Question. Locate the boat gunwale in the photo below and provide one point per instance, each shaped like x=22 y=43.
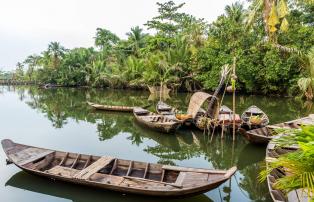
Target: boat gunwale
x=134 y=190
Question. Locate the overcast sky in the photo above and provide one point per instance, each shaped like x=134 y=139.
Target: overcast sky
x=27 y=26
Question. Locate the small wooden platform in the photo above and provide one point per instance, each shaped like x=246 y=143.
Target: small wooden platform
x=62 y=171
x=28 y=155
x=93 y=168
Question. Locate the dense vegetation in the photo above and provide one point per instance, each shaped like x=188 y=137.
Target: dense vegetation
x=271 y=41
x=299 y=164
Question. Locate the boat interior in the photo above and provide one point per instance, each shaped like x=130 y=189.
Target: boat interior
x=70 y=165
x=151 y=117
x=277 y=173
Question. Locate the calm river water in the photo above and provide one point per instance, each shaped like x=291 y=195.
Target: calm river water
x=60 y=119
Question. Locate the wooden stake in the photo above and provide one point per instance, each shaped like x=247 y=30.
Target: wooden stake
x=233 y=98
x=160 y=91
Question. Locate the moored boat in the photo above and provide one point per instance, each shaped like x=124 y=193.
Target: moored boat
x=172 y=113
x=225 y=118
x=254 y=117
x=265 y=134
x=119 y=108
x=114 y=174
x=273 y=151
x=156 y=121
x=165 y=109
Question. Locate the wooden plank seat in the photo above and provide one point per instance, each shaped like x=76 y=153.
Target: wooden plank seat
x=62 y=171
x=29 y=155
x=140 y=111
x=93 y=168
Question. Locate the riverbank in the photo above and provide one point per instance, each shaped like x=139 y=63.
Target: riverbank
x=144 y=88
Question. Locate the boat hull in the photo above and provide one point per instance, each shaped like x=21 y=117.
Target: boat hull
x=171 y=181
x=255 y=138
x=111 y=107
x=159 y=127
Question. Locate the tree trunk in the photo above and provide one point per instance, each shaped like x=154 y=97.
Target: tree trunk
x=266 y=11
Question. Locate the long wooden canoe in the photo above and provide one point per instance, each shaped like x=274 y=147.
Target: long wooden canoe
x=253 y=112
x=265 y=134
x=114 y=174
x=272 y=152
x=111 y=107
x=156 y=121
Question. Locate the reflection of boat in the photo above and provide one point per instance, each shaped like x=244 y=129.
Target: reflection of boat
x=111 y=107
x=156 y=121
x=158 y=89
x=274 y=151
x=76 y=193
x=114 y=174
x=254 y=117
x=265 y=134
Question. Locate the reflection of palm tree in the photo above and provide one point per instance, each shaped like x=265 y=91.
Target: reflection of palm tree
x=135 y=138
x=249 y=183
x=58 y=119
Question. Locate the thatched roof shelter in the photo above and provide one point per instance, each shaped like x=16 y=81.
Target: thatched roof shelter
x=196 y=102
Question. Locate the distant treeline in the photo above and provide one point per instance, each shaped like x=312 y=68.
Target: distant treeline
x=271 y=40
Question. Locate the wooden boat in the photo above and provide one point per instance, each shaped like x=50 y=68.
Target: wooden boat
x=165 y=109
x=254 y=117
x=156 y=121
x=224 y=119
x=273 y=151
x=114 y=174
x=172 y=113
x=111 y=107
x=265 y=134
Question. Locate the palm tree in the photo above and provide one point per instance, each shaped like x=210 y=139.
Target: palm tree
x=19 y=71
x=137 y=39
x=235 y=12
x=32 y=61
x=56 y=52
x=105 y=39
x=274 y=14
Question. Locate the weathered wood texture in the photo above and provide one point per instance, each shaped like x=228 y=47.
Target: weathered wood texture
x=114 y=174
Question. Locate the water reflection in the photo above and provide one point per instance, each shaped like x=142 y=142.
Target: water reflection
x=76 y=193
x=187 y=147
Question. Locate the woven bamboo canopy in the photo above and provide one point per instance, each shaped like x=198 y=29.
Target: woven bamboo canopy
x=196 y=102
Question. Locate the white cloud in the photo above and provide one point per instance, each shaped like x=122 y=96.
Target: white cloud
x=26 y=27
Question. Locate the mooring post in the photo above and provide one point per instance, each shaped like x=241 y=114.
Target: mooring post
x=233 y=81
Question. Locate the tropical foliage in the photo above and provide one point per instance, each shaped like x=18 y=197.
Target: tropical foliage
x=299 y=164
x=186 y=53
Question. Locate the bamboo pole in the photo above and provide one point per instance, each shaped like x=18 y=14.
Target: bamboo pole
x=160 y=91
x=233 y=97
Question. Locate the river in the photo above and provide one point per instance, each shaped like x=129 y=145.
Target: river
x=60 y=119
